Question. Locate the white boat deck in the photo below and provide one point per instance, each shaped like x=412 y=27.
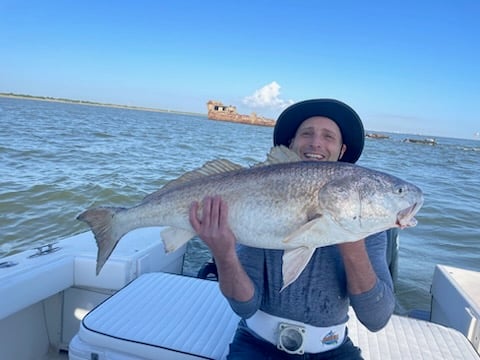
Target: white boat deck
x=165 y=316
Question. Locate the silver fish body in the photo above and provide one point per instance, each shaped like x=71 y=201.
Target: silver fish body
x=294 y=206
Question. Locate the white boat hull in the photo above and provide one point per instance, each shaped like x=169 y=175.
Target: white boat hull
x=43 y=298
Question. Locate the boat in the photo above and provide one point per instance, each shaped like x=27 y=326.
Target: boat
x=53 y=306
x=218 y=111
x=426 y=141
x=376 y=136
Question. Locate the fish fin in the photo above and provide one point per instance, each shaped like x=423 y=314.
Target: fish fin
x=174 y=238
x=294 y=261
x=280 y=154
x=213 y=167
x=101 y=221
x=322 y=230
x=307 y=230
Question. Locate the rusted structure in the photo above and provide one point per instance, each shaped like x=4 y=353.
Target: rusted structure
x=218 y=111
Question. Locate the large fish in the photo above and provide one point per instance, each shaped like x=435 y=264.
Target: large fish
x=283 y=203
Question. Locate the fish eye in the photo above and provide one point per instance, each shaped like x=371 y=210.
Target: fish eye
x=400 y=189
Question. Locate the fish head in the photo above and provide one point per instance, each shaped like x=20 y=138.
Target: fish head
x=366 y=202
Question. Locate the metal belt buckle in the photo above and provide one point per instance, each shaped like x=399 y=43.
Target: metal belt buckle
x=291 y=338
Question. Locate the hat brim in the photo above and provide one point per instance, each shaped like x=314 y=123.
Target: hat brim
x=344 y=116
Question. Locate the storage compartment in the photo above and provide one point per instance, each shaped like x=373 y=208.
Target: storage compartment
x=158 y=316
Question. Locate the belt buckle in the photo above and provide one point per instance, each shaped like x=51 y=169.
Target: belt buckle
x=291 y=338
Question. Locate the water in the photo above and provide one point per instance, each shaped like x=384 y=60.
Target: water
x=58 y=159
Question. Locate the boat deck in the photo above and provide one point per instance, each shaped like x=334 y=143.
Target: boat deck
x=165 y=316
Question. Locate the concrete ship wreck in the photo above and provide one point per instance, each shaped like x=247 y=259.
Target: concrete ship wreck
x=218 y=111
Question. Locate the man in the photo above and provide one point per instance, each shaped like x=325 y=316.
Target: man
x=307 y=319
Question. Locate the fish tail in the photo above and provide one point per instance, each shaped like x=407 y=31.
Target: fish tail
x=103 y=225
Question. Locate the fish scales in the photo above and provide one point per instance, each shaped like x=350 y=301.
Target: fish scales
x=251 y=195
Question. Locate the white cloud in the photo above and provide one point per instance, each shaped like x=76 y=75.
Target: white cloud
x=267 y=97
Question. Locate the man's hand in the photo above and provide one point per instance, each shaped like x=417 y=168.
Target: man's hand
x=212 y=227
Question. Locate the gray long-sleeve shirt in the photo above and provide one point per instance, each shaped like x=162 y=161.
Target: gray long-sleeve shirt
x=319 y=296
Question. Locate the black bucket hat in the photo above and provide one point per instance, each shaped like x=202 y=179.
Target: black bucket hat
x=344 y=116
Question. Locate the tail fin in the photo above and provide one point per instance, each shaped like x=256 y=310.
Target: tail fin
x=102 y=222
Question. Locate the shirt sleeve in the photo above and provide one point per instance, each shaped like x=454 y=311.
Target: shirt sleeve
x=375 y=307
x=252 y=259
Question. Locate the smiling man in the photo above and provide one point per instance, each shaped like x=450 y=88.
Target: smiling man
x=308 y=318
x=318 y=138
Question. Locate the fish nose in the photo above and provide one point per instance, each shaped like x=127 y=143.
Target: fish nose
x=419 y=195
x=419 y=199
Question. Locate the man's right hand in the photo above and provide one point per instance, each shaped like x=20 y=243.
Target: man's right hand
x=212 y=227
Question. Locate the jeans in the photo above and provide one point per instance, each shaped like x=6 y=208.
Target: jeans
x=245 y=346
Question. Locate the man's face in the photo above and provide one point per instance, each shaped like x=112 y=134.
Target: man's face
x=318 y=138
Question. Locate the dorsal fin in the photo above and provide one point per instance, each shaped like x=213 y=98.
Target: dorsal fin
x=280 y=154
x=212 y=167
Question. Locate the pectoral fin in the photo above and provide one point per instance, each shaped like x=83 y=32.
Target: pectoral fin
x=294 y=261
x=310 y=233
x=322 y=230
x=174 y=238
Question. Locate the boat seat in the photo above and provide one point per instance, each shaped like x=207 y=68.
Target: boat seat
x=408 y=338
x=158 y=316
x=166 y=316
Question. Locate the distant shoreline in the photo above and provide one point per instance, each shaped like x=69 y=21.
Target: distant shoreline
x=139 y=108
x=93 y=103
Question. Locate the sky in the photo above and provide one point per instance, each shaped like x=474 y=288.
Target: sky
x=404 y=66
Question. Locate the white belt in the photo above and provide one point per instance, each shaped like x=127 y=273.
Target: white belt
x=295 y=337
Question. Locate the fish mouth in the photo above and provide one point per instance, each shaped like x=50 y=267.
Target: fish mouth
x=405 y=217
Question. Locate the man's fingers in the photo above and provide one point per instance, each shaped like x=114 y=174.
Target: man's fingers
x=213 y=216
x=193 y=216
x=216 y=208
x=206 y=211
x=223 y=213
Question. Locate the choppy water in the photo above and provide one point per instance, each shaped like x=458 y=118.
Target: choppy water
x=58 y=159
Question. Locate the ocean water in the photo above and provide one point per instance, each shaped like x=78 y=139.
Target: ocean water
x=58 y=159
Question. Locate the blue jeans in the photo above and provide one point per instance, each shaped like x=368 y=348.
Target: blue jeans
x=245 y=346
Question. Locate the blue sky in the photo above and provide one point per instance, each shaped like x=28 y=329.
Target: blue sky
x=406 y=66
